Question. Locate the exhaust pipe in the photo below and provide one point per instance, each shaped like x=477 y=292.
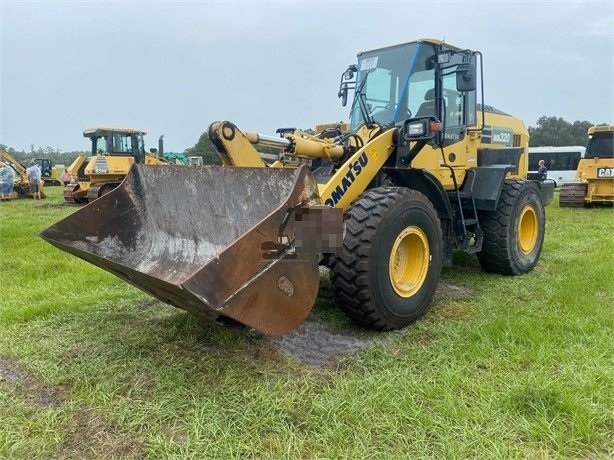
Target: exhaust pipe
x=161 y=146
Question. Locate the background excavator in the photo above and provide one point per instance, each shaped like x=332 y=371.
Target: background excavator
x=595 y=172
x=423 y=169
x=182 y=159
x=21 y=185
x=50 y=173
x=113 y=152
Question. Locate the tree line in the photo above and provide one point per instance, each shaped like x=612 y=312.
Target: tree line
x=55 y=155
x=549 y=131
x=556 y=132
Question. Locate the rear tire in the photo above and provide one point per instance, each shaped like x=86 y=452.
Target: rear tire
x=387 y=273
x=514 y=233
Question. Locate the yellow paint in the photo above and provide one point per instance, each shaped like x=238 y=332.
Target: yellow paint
x=528 y=229
x=376 y=152
x=409 y=261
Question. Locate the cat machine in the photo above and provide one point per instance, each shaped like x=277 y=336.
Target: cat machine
x=595 y=172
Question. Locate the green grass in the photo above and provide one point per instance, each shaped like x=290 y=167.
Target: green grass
x=523 y=367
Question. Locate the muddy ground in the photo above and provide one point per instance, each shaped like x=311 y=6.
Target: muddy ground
x=315 y=343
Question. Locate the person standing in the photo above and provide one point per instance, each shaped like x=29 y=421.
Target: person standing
x=34 y=178
x=66 y=177
x=7 y=177
x=542 y=167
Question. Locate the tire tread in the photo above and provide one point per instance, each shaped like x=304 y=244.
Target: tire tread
x=349 y=274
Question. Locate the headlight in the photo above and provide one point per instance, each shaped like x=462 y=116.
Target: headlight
x=416 y=129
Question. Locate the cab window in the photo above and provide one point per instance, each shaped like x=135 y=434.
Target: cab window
x=460 y=107
x=122 y=143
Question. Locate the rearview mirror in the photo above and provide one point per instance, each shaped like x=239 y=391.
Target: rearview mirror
x=466 y=77
x=343 y=94
x=349 y=73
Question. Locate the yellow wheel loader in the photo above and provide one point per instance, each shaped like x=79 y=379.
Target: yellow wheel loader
x=423 y=169
x=595 y=171
x=113 y=152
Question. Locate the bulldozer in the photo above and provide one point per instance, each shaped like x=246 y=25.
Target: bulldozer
x=595 y=172
x=113 y=152
x=21 y=184
x=422 y=169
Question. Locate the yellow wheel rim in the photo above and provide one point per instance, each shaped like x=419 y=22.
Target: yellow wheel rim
x=409 y=261
x=527 y=229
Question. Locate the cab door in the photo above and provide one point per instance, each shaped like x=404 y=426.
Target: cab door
x=459 y=112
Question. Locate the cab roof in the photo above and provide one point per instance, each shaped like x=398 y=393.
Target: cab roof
x=103 y=131
x=600 y=129
x=433 y=41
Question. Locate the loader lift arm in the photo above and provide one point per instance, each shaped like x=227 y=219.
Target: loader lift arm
x=12 y=162
x=236 y=148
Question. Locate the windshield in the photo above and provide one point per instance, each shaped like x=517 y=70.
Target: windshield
x=99 y=145
x=600 y=145
x=122 y=143
x=397 y=82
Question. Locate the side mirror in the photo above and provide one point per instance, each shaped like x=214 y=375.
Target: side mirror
x=466 y=79
x=343 y=94
x=344 y=87
x=349 y=73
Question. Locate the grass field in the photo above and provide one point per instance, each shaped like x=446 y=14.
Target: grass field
x=515 y=367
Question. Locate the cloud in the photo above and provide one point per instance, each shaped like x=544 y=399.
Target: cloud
x=174 y=67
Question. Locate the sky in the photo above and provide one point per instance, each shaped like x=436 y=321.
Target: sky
x=173 y=67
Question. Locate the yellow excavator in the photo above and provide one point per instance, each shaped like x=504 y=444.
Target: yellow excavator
x=595 y=171
x=113 y=152
x=21 y=185
x=422 y=169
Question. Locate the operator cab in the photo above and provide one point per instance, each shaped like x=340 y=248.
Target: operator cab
x=115 y=142
x=427 y=78
x=120 y=142
x=600 y=142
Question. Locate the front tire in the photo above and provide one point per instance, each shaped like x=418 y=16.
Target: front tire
x=514 y=233
x=387 y=273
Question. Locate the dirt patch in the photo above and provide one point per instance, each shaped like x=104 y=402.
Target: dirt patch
x=8 y=373
x=35 y=393
x=449 y=302
x=450 y=291
x=316 y=343
x=91 y=436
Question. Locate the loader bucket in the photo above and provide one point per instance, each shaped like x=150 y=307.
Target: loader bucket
x=205 y=239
